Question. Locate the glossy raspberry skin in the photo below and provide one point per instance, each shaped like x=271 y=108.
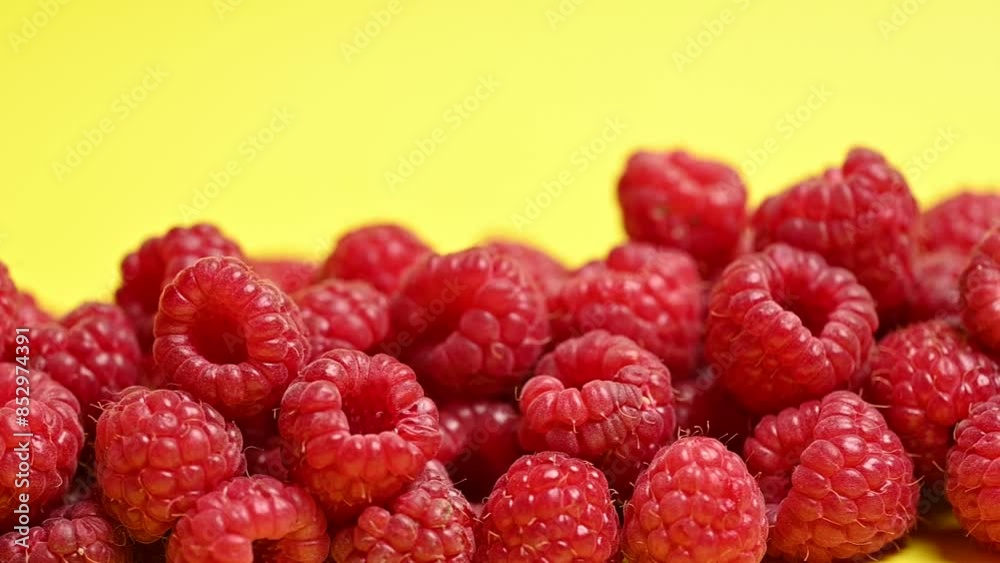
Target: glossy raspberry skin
x=695 y=502
x=861 y=217
x=79 y=533
x=157 y=452
x=146 y=270
x=55 y=444
x=251 y=519
x=925 y=377
x=936 y=293
x=677 y=200
x=784 y=327
x=228 y=337
x=478 y=443
x=289 y=274
x=342 y=314
x=959 y=222
x=972 y=484
x=980 y=290
x=10 y=300
x=470 y=323
x=651 y=296
x=602 y=398
x=703 y=407
x=429 y=521
x=548 y=507
x=378 y=254
x=547 y=272
x=358 y=429
x=836 y=480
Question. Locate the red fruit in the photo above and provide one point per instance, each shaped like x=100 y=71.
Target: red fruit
x=478 y=443
x=650 y=296
x=470 y=323
x=836 y=480
x=10 y=301
x=601 y=398
x=547 y=272
x=784 y=327
x=695 y=502
x=377 y=254
x=861 y=217
x=79 y=533
x=53 y=445
x=548 y=507
x=429 y=521
x=980 y=288
x=676 y=200
x=358 y=429
x=228 y=337
x=157 y=452
x=959 y=222
x=972 y=484
x=925 y=377
x=935 y=293
x=251 y=519
x=342 y=314
x=289 y=274
x=704 y=407
x=262 y=446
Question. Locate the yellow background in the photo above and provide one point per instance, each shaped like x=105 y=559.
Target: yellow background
x=916 y=79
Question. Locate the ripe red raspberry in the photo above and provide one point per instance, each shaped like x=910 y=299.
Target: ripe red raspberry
x=676 y=200
x=251 y=519
x=704 y=407
x=27 y=312
x=157 y=452
x=972 y=486
x=861 y=217
x=10 y=299
x=429 y=521
x=478 y=443
x=358 y=429
x=377 y=254
x=288 y=274
x=472 y=323
x=784 y=327
x=342 y=314
x=925 y=377
x=78 y=533
x=959 y=222
x=53 y=420
x=980 y=289
x=651 y=296
x=835 y=478
x=601 y=398
x=548 y=507
x=936 y=293
x=154 y=264
x=228 y=337
x=547 y=272
x=695 y=502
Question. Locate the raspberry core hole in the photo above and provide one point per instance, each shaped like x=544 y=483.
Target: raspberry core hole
x=219 y=338
x=813 y=315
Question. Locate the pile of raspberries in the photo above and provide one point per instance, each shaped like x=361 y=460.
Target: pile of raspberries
x=802 y=382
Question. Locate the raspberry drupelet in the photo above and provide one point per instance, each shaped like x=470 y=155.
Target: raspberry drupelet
x=342 y=314
x=980 y=290
x=972 y=485
x=378 y=254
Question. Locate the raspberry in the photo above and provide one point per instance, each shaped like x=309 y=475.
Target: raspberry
x=56 y=440
x=251 y=519
x=703 y=406
x=10 y=300
x=343 y=314
x=547 y=272
x=478 y=443
x=652 y=296
x=935 y=293
x=288 y=274
x=676 y=200
x=601 y=398
x=472 y=324
x=925 y=377
x=548 y=507
x=79 y=533
x=959 y=222
x=154 y=264
x=835 y=478
x=229 y=338
x=980 y=290
x=359 y=429
x=262 y=446
x=972 y=485
x=27 y=312
x=696 y=502
x=156 y=453
x=377 y=254
x=784 y=327
x=861 y=217
x=429 y=521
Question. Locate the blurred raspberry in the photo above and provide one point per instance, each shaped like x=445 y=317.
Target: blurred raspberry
x=262 y=446
x=289 y=274
x=972 y=485
x=704 y=407
x=478 y=443
x=79 y=533
x=547 y=272
x=959 y=222
x=10 y=299
x=936 y=294
x=377 y=254
x=980 y=289
x=342 y=314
